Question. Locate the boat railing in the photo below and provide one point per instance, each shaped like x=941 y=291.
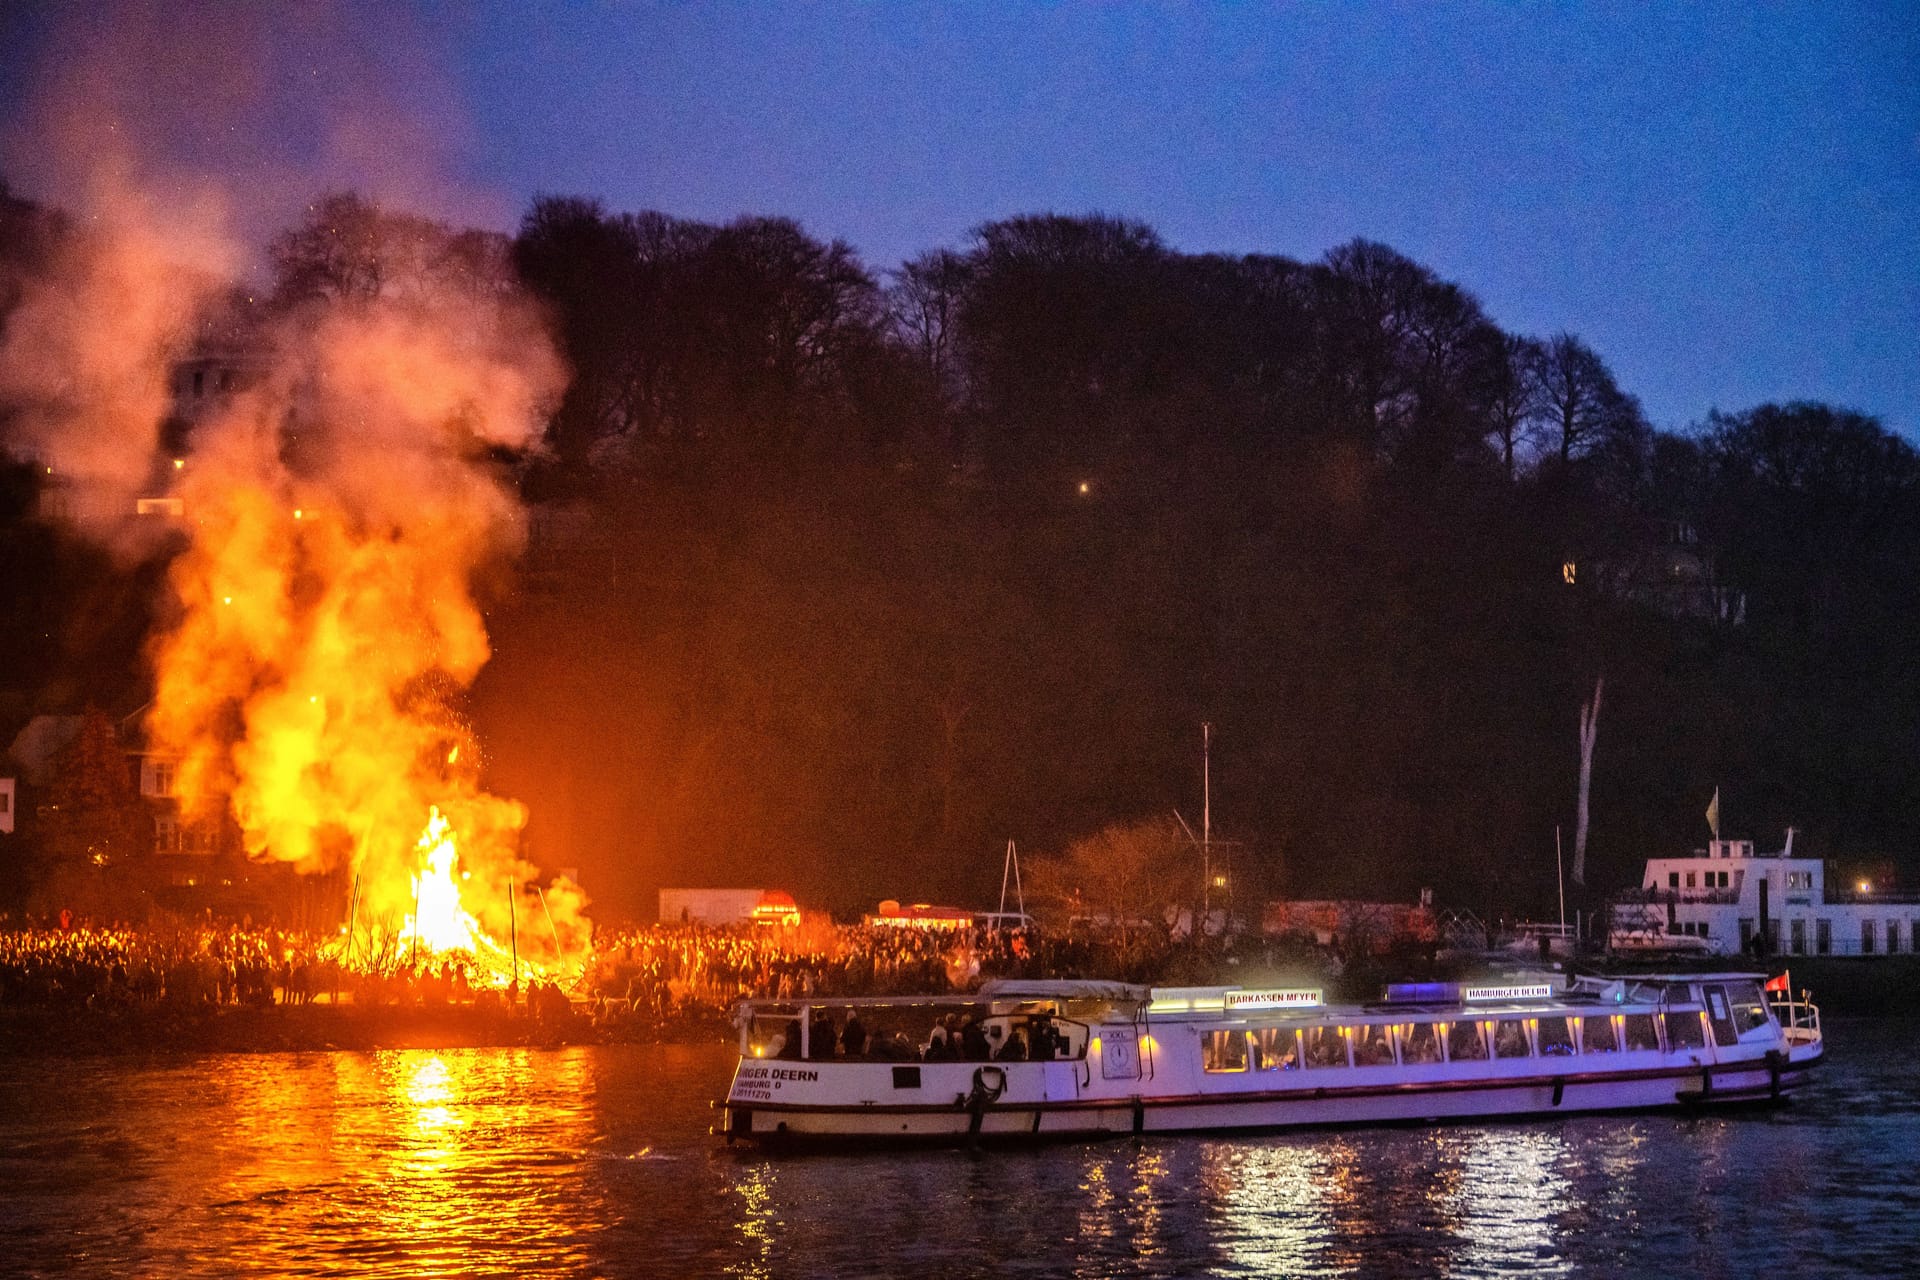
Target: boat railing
x=1074 y=1035
x=1659 y=896
x=1799 y=1019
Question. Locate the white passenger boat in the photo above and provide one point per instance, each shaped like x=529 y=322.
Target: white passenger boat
x=1066 y=1059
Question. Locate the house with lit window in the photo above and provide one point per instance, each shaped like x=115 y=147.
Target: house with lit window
x=1721 y=898
x=228 y=355
x=188 y=845
x=1662 y=566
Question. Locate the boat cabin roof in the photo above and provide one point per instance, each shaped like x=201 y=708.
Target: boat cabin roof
x=1729 y=975
x=1531 y=994
x=1063 y=989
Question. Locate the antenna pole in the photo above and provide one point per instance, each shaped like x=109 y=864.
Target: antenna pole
x=1206 y=823
x=1019 y=890
x=1560 y=873
x=1007 y=866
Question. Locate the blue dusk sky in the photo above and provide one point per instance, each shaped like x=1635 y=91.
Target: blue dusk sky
x=1724 y=200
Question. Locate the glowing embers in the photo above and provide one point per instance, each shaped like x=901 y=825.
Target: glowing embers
x=439 y=922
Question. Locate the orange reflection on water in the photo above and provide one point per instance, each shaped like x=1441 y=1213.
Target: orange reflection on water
x=397 y=1163
x=461 y=1179
x=429 y=1089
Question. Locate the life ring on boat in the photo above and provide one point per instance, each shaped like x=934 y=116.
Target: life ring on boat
x=988 y=1084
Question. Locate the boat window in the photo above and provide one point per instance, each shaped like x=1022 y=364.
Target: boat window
x=1224 y=1051
x=1749 y=1009
x=1684 y=1030
x=1465 y=1043
x=1556 y=1038
x=1596 y=1034
x=1720 y=1015
x=1049 y=1039
x=1638 y=1033
x=1420 y=1043
x=1276 y=1049
x=1373 y=1046
x=774 y=1035
x=1325 y=1047
x=1510 y=1039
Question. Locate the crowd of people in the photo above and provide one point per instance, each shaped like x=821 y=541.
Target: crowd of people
x=666 y=972
x=636 y=981
x=85 y=965
x=81 y=965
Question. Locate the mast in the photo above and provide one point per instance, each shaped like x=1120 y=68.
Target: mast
x=1589 y=726
x=1560 y=873
x=1010 y=867
x=1206 y=823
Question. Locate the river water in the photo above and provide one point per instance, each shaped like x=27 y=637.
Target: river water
x=596 y=1161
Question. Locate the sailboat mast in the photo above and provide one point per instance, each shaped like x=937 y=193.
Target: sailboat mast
x=1206 y=823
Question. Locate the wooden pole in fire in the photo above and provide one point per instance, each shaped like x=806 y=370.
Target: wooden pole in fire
x=353 y=912
x=513 y=935
x=555 y=932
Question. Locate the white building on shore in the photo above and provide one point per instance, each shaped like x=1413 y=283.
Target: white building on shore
x=1721 y=897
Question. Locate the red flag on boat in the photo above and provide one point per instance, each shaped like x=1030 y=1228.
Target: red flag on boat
x=1777 y=984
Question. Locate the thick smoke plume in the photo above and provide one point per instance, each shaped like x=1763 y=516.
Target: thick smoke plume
x=339 y=504
x=340 y=508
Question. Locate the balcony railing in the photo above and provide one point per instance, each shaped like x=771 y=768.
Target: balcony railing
x=1713 y=897
x=1840 y=947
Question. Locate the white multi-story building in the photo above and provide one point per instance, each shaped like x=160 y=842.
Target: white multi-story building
x=1720 y=897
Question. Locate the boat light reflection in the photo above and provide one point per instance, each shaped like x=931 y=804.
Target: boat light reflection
x=1507 y=1202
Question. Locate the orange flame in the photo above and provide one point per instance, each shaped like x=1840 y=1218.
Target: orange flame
x=439 y=922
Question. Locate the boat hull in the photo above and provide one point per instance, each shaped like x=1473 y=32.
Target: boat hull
x=1026 y=1114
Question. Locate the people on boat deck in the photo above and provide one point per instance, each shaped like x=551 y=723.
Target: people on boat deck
x=1510 y=1041
x=936 y=1047
x=1046 y=1043
x=973 y=1041
x=853 y=1038
x=953 y=1037
x=825 y=1035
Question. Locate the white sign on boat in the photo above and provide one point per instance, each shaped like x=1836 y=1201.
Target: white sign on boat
x=1274 y=999
x=1537 y=991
